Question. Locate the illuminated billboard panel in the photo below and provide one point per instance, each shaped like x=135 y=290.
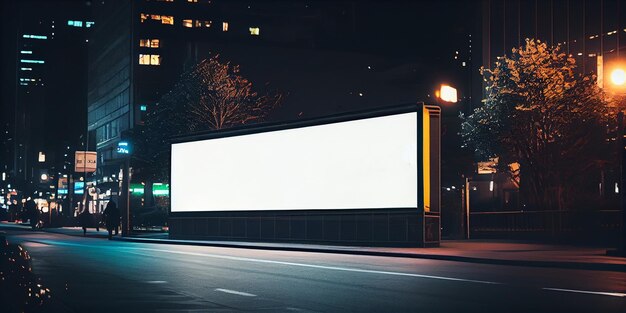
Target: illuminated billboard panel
x=79 y=188
x=361 y=164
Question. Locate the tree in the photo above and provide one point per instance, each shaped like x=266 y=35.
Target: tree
x=540 y=113
x=211 y=96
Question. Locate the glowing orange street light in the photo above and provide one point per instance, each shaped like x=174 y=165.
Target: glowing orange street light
x=618 y=77
x=447 y=93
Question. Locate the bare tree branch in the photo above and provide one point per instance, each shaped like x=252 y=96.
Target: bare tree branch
x=210 y=96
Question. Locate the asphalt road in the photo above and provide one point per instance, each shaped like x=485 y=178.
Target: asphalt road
x=97 y=275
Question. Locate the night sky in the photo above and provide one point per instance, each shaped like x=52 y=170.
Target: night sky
x=397 y=52
x=420 y=34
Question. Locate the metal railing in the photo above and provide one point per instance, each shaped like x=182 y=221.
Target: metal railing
x=506 y=224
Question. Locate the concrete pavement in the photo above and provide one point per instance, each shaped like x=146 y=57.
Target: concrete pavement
x=472 y=251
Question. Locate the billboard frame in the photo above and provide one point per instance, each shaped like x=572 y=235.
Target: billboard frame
x=421 y=214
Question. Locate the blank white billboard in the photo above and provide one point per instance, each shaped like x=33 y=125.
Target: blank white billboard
x=361 y=164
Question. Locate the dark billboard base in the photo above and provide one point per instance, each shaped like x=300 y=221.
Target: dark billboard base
x=398 y=229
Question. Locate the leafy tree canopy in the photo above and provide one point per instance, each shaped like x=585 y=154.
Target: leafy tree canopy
x=541 y=113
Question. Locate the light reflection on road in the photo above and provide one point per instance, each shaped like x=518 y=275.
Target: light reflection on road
x=20 y=289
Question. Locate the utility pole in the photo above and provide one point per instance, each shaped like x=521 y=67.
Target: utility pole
x=621 y=250
x=125 y=198
x=124 y=149
x=618 y=82
x=465 y=210
x=623 y=180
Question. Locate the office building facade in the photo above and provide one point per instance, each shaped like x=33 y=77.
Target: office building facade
x=47 y=114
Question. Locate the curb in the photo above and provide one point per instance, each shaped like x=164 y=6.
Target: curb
x=454 y=258
x=53 y=231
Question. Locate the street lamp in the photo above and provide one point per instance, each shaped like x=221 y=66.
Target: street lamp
x=618 y=77
x=618 y=82
x=447 y=93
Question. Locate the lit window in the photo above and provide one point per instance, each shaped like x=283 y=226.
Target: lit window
x=26 y=68
x=149 y=43
x=76 y=23
x=89 y=24
x=149 y=59
x=155 y=59
x=32 y=61
x=144 y=59
x=35 y=36
x=143 y=108
x=254 y=31
x=187 y=23
x=194 y=1
x=167 y=19
x=206 y=23
x=26 y=52
x=224 y=26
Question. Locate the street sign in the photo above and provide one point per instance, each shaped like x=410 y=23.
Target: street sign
x=62 y=186
x=123 y=147
x=79 y=188
x=85 y=161
x=488 y=167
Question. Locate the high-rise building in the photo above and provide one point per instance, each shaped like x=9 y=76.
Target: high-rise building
x=592 y=32
x=49 y=98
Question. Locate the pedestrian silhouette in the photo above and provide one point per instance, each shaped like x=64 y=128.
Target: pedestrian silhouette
x=86 y=219
x=112 y=218
x=33 y=213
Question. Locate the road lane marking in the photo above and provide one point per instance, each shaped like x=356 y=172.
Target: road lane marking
x=602 y=293
x=53 y=242
x=235 y=292
x=335 y=268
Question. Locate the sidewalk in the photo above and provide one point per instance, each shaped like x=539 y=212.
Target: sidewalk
x=498 y=252
x=473 y=251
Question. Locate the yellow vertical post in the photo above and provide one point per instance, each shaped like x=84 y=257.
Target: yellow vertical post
x=426 y=157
